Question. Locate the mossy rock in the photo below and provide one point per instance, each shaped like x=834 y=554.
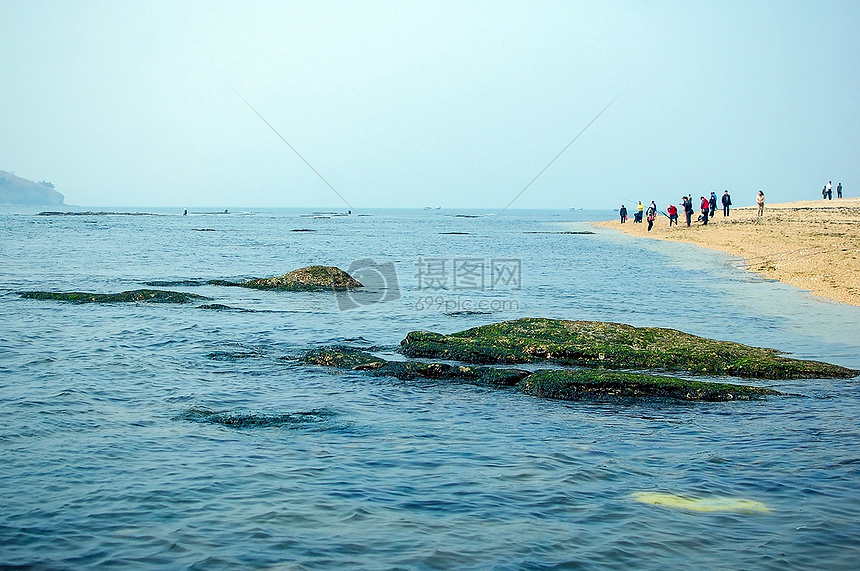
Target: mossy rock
x=602 y=384
x=342 y=358
x=611 y=345
x=138 y=295
x=311 y=278
x=584 y=384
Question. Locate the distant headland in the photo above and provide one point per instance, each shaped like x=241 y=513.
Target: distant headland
x=20 y=191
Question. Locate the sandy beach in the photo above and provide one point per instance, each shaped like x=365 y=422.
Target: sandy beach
x=813 y=245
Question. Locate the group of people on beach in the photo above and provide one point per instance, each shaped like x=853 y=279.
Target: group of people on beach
x=707 y=207
x=827 y=191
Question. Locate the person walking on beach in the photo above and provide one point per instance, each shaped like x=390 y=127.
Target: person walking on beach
x=839 y=190
x=830 y=190
x=673 y=214
x=727 y=201
x=687 y=203
x=712 y=202
x=706 y=207
x=623 y=213
x=760 y=201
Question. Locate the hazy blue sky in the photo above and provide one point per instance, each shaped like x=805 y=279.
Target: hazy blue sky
x=452 y=104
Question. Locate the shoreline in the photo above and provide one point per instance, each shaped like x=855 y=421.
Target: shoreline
x=813 y=245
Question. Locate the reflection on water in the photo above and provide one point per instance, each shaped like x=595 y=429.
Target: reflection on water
x=339 y=469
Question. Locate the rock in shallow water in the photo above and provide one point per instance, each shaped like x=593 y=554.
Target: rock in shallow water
x=252 y=420
x=559 y=384
x=311 y=278
x=138 y=295
x=357 y=360
x=612 y=345
x=706 y=504
x=601 y=384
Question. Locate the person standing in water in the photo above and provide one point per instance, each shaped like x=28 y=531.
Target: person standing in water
x=760 y=201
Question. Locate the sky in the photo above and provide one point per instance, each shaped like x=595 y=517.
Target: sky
x=456 y=104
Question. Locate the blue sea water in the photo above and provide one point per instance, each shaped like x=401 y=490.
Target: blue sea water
x=107 y=459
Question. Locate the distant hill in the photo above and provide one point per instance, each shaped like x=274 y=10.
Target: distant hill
x=17 y=190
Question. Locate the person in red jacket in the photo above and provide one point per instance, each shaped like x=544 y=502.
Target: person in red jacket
x=705 y=206
x=673 y=214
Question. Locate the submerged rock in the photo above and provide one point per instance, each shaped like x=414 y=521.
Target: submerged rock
x=222 y=307
x=235 y=355
x=357 y=360
x=251 y=420
x=138 y=295
x=706 y=504
x=565 y=384
x=311 y=278
x=612 y=345
x=175 y=283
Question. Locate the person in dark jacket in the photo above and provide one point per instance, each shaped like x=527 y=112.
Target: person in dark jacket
x=687 y=202
x=623 y=213
x=727 y=201
x=712 y=203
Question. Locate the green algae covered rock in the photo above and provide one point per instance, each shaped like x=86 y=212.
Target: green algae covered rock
x=138 y=295
x=564 y=384
x=601 y=384
x=311 y=278
x=611 y=345
x=342 y=358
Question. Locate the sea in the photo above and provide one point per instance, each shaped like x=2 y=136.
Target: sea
x=112 y=455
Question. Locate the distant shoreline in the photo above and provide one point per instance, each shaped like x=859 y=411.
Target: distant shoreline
x=813 y=245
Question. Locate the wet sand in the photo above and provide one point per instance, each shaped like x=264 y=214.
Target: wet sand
x=813 y=245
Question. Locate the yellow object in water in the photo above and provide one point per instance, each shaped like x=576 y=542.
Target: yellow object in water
x=709 y=504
